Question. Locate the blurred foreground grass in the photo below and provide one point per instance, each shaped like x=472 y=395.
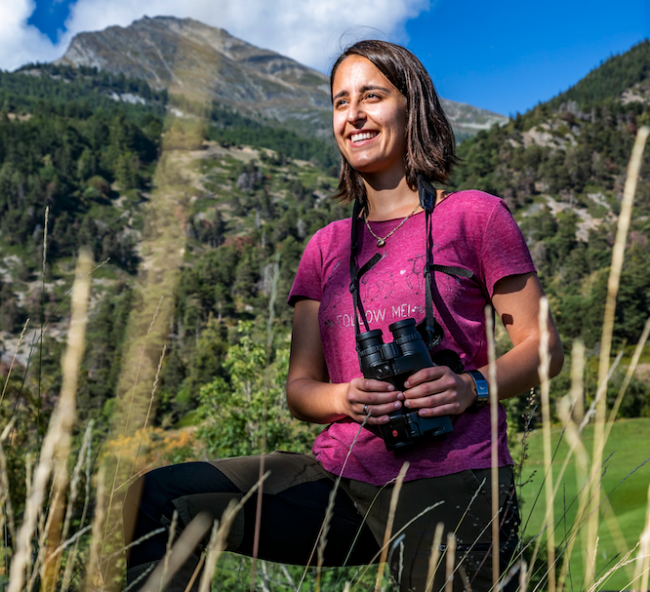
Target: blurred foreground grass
x=628 y=447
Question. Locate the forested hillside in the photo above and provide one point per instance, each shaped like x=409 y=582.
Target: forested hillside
x=86 y=145
x=561 y=167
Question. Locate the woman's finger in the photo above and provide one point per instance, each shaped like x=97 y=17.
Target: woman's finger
x=427 y=375
x=372 y=398
x=371 y=385
x=453 y=393
x=427 y=402
x=433 y=387
x=378 y=414
x=448 y=409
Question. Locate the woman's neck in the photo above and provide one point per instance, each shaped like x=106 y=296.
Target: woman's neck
x=389 y=198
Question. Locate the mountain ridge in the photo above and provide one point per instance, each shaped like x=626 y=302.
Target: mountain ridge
x=202 y=62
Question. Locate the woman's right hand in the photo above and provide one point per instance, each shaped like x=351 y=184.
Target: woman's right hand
x=373 y=399
x=310 y=394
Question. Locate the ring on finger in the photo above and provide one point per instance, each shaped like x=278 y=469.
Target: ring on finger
x=365 y=409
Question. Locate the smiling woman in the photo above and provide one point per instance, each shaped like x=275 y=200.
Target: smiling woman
x=414 y=409
x=398 y=79
x=369 y=118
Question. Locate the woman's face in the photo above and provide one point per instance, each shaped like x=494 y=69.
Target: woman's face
x=369 y=118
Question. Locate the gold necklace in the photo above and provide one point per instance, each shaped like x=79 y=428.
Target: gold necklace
x=381 y=241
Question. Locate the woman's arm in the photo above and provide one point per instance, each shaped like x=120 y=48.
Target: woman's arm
x=438 y=391
x=310 y=395
x=516 y=300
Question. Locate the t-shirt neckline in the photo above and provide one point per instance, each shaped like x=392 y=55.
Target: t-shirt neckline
x=393 y=220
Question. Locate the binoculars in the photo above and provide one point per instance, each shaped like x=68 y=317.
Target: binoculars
x=394 y=362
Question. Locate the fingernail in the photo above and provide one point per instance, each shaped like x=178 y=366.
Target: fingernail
x=400 y=396
x=407 y=403
x=407 y=384
x=391 y=387
x=397 y=405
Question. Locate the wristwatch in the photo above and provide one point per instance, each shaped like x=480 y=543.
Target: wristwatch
x=481 y=387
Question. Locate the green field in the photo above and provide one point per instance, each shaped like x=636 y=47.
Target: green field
x=624 y=482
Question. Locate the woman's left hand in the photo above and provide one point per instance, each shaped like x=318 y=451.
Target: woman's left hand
x=438 y=391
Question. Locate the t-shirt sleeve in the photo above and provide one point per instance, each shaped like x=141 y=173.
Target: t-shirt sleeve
x=307 y=283
x=503 y=250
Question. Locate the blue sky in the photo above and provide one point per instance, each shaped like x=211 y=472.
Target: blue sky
x=49 y=17
x=507 y=56
x=504 y=56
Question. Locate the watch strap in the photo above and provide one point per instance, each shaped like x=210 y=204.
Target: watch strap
x=482 y=388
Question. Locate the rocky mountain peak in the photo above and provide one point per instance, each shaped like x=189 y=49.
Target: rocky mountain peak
x=203 y=63
x=207 y=63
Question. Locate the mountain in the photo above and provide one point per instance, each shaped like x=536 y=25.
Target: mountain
x=562 y=167
x=575 y=144
x=468 y=120
x=207 y=63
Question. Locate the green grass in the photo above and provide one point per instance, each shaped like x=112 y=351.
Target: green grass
x=628 y=446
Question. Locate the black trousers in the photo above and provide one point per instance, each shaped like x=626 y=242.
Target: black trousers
x=294 y=502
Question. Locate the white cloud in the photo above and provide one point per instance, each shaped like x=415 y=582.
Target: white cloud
x=310 y=31
x=20 y=43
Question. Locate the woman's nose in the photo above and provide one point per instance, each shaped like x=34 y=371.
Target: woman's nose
x=355 y=113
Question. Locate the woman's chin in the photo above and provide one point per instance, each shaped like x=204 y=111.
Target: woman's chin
x=372 y=167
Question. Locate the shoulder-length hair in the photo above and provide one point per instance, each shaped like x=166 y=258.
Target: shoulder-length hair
x=430 y=144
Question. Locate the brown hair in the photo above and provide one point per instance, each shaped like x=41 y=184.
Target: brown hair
x=430 y=145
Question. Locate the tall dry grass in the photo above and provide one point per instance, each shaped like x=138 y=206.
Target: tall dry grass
x=48 y=551
x=55 y=450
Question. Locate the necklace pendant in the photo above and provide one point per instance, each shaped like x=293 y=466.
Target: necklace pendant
x=381 y=242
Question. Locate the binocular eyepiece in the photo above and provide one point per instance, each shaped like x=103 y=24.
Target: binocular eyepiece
x=394 y=362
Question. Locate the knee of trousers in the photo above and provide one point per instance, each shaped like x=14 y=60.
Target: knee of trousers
x=146 y=496
x=214 y=504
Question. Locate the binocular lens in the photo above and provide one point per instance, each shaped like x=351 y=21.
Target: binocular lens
x=370 y=338
x=402 y=327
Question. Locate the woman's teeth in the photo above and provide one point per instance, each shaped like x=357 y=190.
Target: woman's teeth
x=363 y=136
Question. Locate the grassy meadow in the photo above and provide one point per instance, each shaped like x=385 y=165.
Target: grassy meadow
x=625 y=481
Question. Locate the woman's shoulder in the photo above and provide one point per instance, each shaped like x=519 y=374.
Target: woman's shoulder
x=334 y=231
x=473 y=213
x=473 y=197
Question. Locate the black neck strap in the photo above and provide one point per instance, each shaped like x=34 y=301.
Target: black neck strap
x=356 y=273
x=431 y=330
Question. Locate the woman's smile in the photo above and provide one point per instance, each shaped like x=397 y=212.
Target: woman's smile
x=369 y=118
x=358 y=137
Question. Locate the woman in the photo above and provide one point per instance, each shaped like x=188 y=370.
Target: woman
x=393 y=137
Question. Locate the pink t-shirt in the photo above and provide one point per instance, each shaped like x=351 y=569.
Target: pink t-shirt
x=472 y=230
